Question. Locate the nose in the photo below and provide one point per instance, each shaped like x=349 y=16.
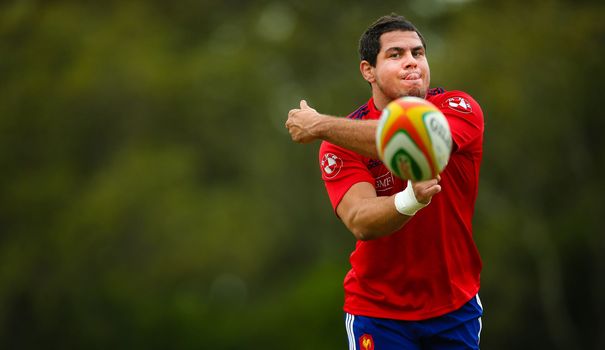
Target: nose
x=409 y=61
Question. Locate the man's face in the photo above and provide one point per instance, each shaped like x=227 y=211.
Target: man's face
x=401 y=68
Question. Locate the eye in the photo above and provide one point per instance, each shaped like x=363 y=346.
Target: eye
x=418 y=53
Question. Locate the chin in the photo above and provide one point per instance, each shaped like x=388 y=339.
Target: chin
x=416 y=92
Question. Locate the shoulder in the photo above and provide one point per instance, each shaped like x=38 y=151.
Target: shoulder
x=360 y=112
x=464 y=116
x=455 y=101
x=327 y=147
x=331 y=153
x=366 y=111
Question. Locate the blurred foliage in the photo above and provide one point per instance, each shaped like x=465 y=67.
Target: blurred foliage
x=150 y=196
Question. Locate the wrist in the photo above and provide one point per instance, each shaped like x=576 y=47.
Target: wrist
x=406 y=203
x=319 y=127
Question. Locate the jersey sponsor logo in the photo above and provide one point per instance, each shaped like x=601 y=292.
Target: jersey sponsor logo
x=384 y=182
x=331 y=165
x=374 y=163
x=366 y=342
x=459 y=104
x=360 y=112
x=435 y=91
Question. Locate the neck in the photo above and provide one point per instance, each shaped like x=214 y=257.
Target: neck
x=380 y=100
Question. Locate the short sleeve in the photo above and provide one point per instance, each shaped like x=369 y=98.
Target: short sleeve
x=465 y=118
x=341 y=169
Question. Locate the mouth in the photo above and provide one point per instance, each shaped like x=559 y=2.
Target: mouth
x=411 y=76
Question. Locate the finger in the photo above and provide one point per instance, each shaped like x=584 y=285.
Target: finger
x=425 y=183
x=433 y=190
x=426 y=189
x=303 y=104
x=436 y=189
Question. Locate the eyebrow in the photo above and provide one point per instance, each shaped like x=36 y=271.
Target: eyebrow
x=397 y=48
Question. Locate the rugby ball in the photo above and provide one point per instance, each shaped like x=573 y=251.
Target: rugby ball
x=413 y=139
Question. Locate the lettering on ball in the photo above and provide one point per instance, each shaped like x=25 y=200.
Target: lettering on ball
x=440 y=130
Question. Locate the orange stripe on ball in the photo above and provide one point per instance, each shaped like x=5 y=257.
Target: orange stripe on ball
x=406 y=121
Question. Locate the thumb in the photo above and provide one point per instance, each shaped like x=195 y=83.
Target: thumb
x=303 y=104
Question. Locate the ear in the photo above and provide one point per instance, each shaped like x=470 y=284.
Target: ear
x=367 y=71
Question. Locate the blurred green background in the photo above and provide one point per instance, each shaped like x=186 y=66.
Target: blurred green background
x=151 y=198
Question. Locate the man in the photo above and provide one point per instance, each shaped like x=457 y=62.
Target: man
x=415 y=270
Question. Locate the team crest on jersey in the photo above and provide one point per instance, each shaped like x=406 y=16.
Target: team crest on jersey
x=459 y=104
x=331 y=165
x=366 y=342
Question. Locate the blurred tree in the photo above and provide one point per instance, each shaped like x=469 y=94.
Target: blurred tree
x=150 y=196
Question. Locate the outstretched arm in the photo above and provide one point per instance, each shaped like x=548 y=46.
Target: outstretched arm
x=368 y=216
x=305 y=125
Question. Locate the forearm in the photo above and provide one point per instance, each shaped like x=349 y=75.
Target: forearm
x=375 y=217
x=369 y=217
x=356 y=135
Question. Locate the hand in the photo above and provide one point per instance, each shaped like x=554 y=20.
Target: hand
x=425 y=190
x=301 y=122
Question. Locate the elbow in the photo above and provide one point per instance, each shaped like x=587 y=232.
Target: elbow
x=363 y=233
x=360 y=232
x=364 y=225
x=361 y=228
x=365 y=237
x=367 y=231
x=358 y=225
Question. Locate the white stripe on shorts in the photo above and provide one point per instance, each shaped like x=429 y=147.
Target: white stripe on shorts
x=349 y=325
x=480 y=322
x=479 y=301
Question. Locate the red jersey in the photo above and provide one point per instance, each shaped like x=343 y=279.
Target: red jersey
x=431 y=265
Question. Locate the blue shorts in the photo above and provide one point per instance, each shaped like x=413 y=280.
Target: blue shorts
x=459 y=329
